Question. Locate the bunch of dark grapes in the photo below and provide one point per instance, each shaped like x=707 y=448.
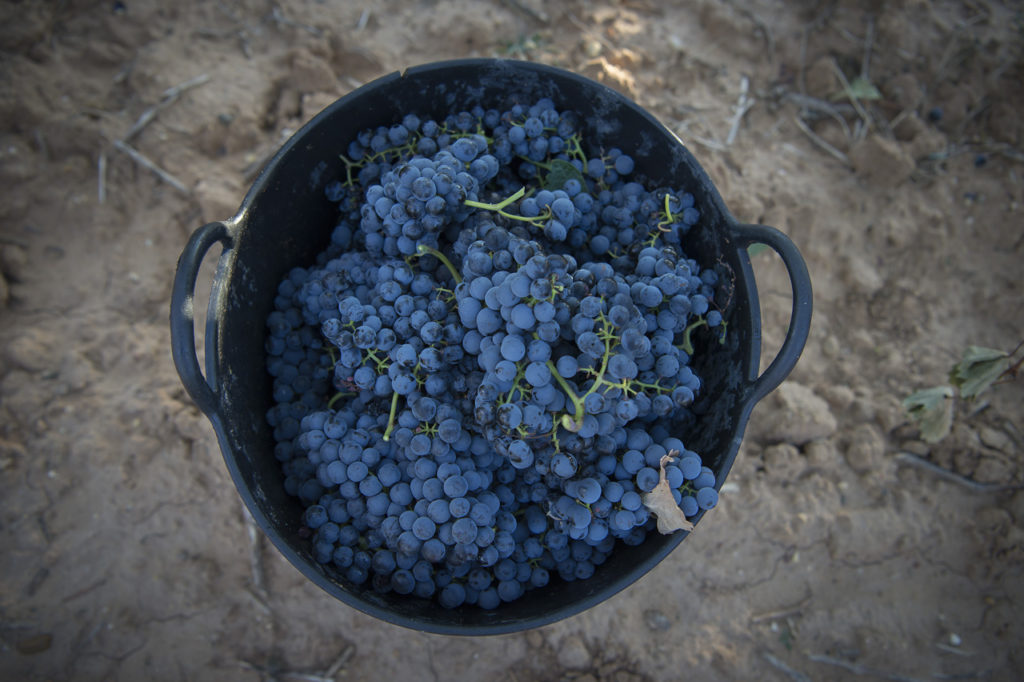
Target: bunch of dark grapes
x=475 y=383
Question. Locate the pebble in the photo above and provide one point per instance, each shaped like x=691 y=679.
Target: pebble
x=797 y=416
x=783 y=462
x=881 y=161
x=822 y=454
x=995 y=470
x=13 y=261
x=865 y=449
x=35 y=644
x=573 y=653
x=656 y=620
x=996 y=439
x=915 y=447
x=831 y=347
x=864 y=276
x=838 y=396
x=32 y=350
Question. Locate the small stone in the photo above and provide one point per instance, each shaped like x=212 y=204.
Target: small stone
x=218 y=198
x=820 y=78
x=838 y=396
x=881 y=161
x=535 y=639
x=36 y=644
x=822 y=454
x=13 y=262
x=831 y=347
x=314 y=102
x=904 y=89
x=783 y=462
x=32 y=350
x=864 y=276
x=600 y=69
x=1016 y=507
x=591 y=47
x=573 y=653
x=915 y=447
x=626 y=58
x=865 y=449
x=1004 y=123
x=994 y=469
x=965 y=461
x=656 y=621
x=310 y=73
x=796 y=415
x=996 y=439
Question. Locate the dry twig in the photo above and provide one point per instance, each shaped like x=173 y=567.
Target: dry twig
x=820 y=142
x=535 y=14
x=869 y=39
x=101 y=172
x=364 y=19
x=848 y=89
x=795 y=674
x=140 y=159
x=784 y=612
x=857 y=669
x=806 y=102
x=278 y=17
x=590 y=32
x=339 y=663
x=169 y=97
x=743 y=105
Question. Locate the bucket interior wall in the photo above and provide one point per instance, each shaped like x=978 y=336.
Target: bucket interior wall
x=286 y=221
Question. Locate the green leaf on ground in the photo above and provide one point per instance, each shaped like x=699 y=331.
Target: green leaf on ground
x=932 y=409
x=978 y=369
x=860 y=88
x=561 y=171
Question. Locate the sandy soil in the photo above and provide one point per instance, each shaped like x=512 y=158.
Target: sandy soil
x=125 y=551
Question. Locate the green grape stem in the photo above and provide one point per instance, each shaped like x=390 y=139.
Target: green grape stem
x=391 y=416
x=574 y=149
x=500 y=206
x=338 y=396
x=663 y=225
x=575 y=422
x=381 y=363
x=687 y=345
x=423 y=249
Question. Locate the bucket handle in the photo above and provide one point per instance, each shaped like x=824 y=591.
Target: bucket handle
x=183 y=344
x=800 y=317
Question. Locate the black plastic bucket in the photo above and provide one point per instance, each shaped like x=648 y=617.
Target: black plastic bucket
x=285 y=221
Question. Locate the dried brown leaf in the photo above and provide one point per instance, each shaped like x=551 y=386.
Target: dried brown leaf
x=661 y=503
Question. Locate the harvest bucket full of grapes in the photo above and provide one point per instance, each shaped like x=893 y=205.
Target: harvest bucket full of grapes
x=481 y=346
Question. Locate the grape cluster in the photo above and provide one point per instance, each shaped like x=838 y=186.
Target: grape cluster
x=475 y=383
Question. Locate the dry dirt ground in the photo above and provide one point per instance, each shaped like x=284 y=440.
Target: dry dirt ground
x=833 y=555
